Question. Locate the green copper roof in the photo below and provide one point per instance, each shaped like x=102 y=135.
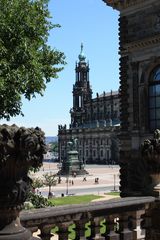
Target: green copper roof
x=81 y=56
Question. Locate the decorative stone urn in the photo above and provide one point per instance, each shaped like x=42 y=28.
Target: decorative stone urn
x=20 y=150
x=150 y=150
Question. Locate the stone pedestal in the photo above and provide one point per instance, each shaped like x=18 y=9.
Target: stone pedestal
x=15 y=231
x=11 y=228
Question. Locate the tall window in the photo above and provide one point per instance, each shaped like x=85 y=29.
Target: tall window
x=87 y=153
x=101 y=153
x=154 y=99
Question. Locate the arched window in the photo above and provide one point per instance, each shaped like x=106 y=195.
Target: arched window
x=154 y=99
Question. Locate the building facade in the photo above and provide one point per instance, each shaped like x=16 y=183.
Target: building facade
x=139 y=35
x=94 y=121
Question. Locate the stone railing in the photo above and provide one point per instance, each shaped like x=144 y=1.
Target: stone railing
x=118 y=219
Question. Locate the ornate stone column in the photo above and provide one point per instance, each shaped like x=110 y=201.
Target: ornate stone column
x=111 y=228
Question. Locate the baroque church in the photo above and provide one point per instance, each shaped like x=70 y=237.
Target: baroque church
x=94 y=121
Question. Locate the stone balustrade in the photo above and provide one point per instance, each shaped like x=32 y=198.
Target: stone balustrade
x=117 y=219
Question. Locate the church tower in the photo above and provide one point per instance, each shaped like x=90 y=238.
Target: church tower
x=82 y=92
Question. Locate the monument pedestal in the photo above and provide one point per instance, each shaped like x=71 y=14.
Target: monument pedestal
x=72 y=166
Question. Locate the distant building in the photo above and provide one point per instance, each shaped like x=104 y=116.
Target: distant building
x=94 y=121
x=48 y=157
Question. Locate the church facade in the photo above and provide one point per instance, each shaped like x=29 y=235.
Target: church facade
x=94 y=121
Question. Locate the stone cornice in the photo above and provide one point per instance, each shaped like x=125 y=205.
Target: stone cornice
x=142 y=43
x=122 y=4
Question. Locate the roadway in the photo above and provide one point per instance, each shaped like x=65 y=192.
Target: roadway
x=80 y=191
x=108 y=180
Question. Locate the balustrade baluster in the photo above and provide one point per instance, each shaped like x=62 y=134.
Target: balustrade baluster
x=122 y=220
x=138 y=232
x=125 y=233
x=33 y=230
x=46 y=232
x=63 y=231
x=95 y=229
x=80 y=229
x=148 y=225
x=111 y=228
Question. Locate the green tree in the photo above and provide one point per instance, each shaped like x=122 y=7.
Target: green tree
x=54 y=147
x=27 y=62
x=37 y=183
x=37 y=201
x=49 y=180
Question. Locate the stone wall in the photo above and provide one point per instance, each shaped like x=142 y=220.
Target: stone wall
x=139 y=46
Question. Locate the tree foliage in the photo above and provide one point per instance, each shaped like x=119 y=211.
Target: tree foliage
x=27 y=62
x=37 y=182
x=54 y=147
x=49 y=180
x=38 y=201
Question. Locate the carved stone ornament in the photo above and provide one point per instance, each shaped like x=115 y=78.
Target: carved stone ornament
x=20 y=149
x=122 y=4
x=157 y=23
x=144 y=169
x=150 y=151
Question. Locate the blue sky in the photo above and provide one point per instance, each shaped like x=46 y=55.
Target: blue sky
x=94 y=24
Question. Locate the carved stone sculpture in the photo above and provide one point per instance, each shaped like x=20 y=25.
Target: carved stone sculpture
x=20 y=150
x=144 y=171
x=151 y=154
x=72 y=145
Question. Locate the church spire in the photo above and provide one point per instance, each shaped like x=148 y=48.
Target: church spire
x=81 y=56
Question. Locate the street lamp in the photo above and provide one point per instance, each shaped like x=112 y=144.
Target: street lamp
x=114 y=183
x=67 y=185
x=68 y=163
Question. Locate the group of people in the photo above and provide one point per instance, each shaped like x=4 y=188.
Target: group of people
x=71 y=182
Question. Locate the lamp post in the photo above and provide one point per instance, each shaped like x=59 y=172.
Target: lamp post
x=114 y=189
x=67 y=185
x=68 y=163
